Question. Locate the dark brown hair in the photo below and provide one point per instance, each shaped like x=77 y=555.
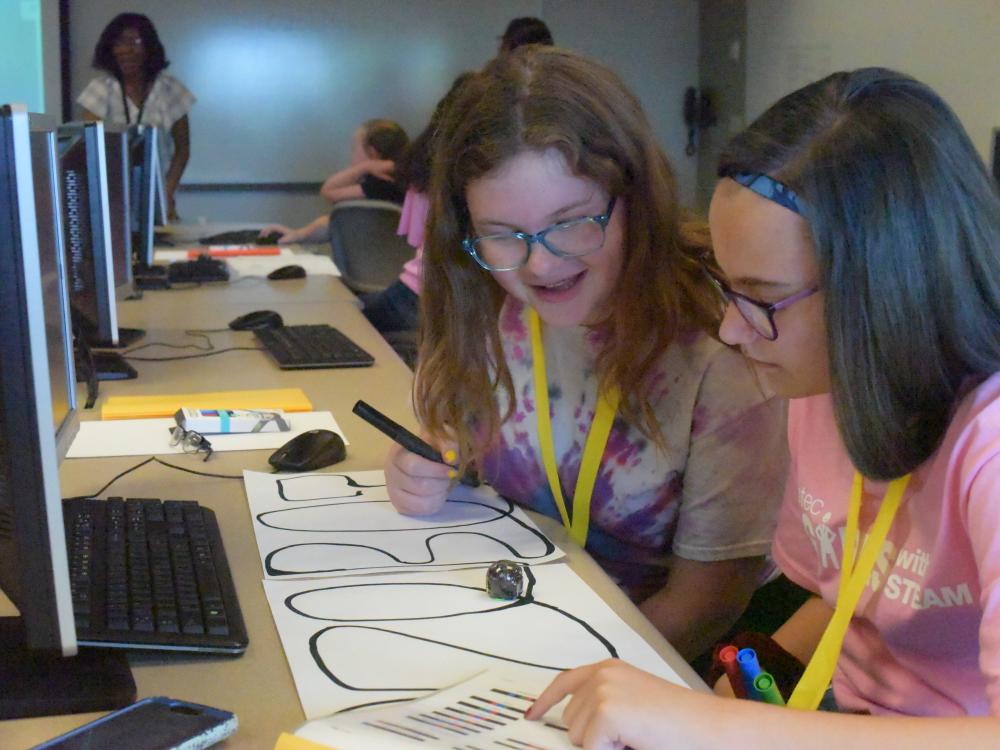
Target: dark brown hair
x=905 y=221
x=156 y=57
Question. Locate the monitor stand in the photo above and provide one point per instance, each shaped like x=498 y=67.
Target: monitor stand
x=128 y=336
x=112 y=366
x=38 y=683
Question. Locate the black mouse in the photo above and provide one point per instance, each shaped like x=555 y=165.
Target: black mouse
x=310 y=450
x=268 y=239
x=287 y=272
x=256 y=319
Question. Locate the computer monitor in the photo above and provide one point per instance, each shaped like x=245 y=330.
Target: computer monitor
x=160 y=214
x=117 y=159
x=87 y=228
x=116 y=156
x=87 y=225
x=37 y=421
x=33 y=566
x=996 y=156
x=142 y=190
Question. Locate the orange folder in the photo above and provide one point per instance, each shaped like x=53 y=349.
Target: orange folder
x=165 y=405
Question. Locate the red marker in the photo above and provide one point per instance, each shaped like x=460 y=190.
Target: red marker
x=727 y=658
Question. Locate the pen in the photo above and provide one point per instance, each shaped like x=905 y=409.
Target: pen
x=404 y=437
x=727 y=658
x=749 y=668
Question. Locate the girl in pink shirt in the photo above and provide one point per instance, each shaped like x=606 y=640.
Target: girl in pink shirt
x=857 y=236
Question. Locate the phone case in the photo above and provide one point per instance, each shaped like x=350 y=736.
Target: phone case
x=156 y=723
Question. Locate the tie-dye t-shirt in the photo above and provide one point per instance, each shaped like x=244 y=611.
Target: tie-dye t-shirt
x=712 y=495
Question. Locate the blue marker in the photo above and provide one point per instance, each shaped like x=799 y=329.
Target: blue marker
x=749 y=669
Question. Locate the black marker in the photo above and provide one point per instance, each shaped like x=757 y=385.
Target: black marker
x=405 y=438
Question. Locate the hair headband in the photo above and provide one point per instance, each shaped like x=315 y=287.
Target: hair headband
x=770 y=188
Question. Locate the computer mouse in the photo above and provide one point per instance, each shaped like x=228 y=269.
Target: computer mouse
x=287 y=272
x=256 y=319
x=313 y=449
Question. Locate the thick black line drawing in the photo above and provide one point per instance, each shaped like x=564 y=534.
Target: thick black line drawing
x=333 y=648
x=288 y=487
x=313 y=536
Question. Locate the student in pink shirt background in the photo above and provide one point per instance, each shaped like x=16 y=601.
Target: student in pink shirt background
x=857 y=236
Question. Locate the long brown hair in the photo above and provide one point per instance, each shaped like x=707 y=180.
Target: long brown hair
x=538 y=98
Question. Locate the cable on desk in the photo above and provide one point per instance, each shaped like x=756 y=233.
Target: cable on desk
x=203 y=333
x=196 y=356
x=154 y=459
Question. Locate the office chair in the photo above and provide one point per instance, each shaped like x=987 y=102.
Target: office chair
x=366 y=248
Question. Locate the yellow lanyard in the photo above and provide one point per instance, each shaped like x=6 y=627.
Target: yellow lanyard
x=853 y=581
x=593 y=451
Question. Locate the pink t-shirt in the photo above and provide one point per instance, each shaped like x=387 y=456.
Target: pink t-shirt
x=925 y=639
x=412 y=224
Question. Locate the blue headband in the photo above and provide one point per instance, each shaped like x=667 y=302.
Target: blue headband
x=769 y=188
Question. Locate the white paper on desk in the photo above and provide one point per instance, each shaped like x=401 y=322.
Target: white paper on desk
x=315 y=264
x=261 y=265
x=487 y=709
x=336 y=524
x=145 y=437
x=368 y=639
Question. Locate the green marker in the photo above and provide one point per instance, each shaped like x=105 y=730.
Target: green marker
x=766 y=689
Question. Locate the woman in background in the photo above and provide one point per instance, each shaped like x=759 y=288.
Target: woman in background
x=133 y=89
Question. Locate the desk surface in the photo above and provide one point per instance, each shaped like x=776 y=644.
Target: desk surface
x=258 y=686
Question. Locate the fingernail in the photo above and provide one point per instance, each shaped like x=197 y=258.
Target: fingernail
x=452 y=473
x=527 y=712
x=450 y=455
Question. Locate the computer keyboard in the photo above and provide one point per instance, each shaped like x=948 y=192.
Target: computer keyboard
x=241 y=237
x=312 y=346
x=151 y=574
x=202 y=268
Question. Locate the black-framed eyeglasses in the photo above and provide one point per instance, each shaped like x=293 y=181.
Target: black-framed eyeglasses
x=191 y=441
x=567 y=239
x=758 y=315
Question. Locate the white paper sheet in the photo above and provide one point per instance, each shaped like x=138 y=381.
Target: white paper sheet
x=315 y=264
x=146 y=437
x=485 y=711
x=367 y=640
x=335 y=524
x=261 y=265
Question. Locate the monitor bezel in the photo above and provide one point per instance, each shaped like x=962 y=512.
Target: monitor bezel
x=47 y=126
x=31 y=461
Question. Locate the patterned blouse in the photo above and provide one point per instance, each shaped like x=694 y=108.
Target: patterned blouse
x=167 y=101
x=712 y=495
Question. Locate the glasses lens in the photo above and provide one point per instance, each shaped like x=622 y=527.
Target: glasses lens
x=576 y=237
x=501 y=252
x=177 y=435
x=757 y=317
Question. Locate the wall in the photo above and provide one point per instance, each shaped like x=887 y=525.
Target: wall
x=281 y=88
x=722 y=75
x=952 y=46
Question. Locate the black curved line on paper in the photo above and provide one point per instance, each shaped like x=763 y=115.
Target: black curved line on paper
x=349 y=480
x=273 y=569
x=528 y=598
x=501 y=513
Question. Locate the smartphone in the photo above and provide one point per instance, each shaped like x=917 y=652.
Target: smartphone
x=156 y=723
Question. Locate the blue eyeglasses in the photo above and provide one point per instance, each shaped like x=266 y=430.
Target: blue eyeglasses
x=567 y=239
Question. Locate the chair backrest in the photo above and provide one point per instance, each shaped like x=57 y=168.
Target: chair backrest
x=366 y=248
